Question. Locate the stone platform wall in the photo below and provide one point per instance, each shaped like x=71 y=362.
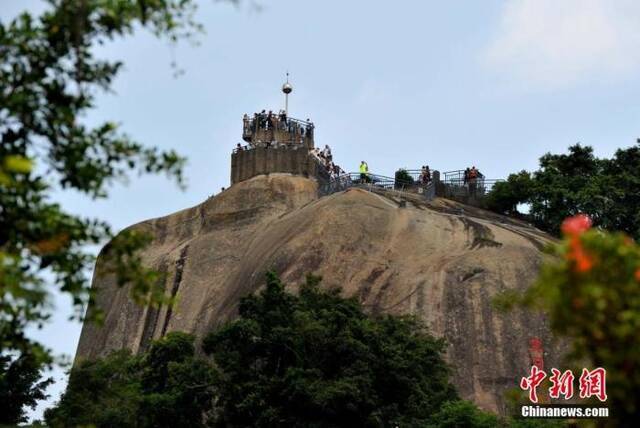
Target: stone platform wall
x=296 y=160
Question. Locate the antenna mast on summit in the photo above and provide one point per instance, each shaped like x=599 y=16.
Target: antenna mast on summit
x=287 y=89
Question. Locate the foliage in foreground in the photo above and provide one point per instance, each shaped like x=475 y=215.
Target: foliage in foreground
x=49 y=79
x=578 y=182
x=308 y=360
x=591 y=292
x=21 y=386
x=167 y=386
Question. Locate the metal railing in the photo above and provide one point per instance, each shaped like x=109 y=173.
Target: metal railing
x=277 y=118
x=480 y=183
x=425 y=185
x=269 y=145
x=263 y=123
x=456 y=184
x=375 y=182
x=416 y=175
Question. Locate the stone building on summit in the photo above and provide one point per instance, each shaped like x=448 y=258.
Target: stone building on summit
x=276 y=143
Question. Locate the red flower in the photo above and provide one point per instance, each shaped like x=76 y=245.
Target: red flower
x=583 y=262
x=576 y=225
x=637 y=275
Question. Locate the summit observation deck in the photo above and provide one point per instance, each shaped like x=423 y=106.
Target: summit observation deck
x=277 y=128
x=276 y=143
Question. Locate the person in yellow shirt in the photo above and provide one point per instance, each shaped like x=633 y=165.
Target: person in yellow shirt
x=364 y=172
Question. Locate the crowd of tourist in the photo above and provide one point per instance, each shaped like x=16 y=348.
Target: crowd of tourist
x=259 y=132
x=265 y=145
x=270 y=121
x=471 y=175
x=471 y=178
x=325 y=157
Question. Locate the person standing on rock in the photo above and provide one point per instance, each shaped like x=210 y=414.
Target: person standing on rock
x=424 y=175
x=364 y=172
x=309 y=128
x=283 y=120
x=473 y=180
x=327 y=153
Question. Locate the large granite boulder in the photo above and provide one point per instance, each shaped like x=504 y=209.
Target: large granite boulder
x=441 y=260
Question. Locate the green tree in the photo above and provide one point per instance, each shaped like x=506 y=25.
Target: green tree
x=403 y=178
x=505 y=196
x=167 y=386
x=578 y=182
x=616 y=207
x=177 y=387
x=21 y=386
x=316 y=359
x=562 y=186
x=104 y=392
x=456 y=414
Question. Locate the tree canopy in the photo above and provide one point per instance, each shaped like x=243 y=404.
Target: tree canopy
x=167 y=386
x=608 y=190
x=21 y=386
x=317 y=359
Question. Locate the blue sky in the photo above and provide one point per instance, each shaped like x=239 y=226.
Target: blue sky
x=399 y=84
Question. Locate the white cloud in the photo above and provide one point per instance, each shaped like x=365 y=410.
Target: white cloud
x=560 y=43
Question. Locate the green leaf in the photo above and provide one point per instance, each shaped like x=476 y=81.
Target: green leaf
x=18 y=164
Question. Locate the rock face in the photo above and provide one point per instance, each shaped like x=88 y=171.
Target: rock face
x=440 y=260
